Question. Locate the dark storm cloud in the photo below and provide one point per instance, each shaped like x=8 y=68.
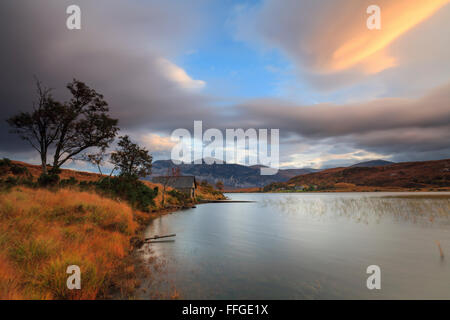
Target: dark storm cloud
x=118 y=52
x=382 y=125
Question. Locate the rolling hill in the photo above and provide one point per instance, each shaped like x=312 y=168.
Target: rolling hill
x=372 y=163
x=424 y=175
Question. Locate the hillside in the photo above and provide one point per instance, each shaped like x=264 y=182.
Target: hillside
x=424 y=175
x=33 y=172
x=372 y=163
x=232 y=175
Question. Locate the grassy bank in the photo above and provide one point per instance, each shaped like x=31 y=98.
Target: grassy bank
x=43 y=231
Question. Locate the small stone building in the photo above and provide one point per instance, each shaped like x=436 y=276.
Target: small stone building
x=185 y=184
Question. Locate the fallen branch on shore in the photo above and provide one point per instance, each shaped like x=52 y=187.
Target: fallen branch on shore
x=159 y=237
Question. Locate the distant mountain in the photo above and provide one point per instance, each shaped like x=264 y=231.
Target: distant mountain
x=372 y=163
x=404 y=175
x=232 y=175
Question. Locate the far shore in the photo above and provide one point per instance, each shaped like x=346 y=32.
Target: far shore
x=361 y=189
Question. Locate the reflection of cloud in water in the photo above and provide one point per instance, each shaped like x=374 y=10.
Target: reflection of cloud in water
x=365 y=209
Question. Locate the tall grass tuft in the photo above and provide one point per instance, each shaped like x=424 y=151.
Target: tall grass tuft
x=42 y=232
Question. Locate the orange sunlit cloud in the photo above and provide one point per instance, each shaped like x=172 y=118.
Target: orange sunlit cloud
x=367 y=47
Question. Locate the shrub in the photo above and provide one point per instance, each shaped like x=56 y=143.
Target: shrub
x=68 y=182
x=204 y=183
x=180 y=196
x=46 y=180
x=28 y=182
x=15 y=169
x=11 y=181
x=5 y=162
x=54 y=171
x=132 y=190
x=85 y=185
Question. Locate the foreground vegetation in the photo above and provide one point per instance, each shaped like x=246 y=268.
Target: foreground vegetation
x=83 y=219
x=42 y=232
x=52 y=218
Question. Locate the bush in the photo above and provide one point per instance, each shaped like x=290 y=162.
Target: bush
x=131 y=190
x=7 y=166
x=15 y=169
x=11 y=181
x=180 y=196
x=68 y=182
x=54 y=171
x=5 y=162
x=46 y=180
x=86 y=185
x=27 y=182
x=204 y=183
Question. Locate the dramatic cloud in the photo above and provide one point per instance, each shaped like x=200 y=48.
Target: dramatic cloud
x=331 y=45
x=384 y=126
x=130 y=52
x=157 y=143
x=124 y=50
x=179 y=76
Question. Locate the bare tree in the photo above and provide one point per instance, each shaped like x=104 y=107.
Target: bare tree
x=98 y=159
x=166 y=182
x=40 y=127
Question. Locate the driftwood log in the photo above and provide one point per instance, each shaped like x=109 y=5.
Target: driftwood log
x=159 y=237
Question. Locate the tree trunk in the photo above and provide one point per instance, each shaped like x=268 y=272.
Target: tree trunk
x=44 y=162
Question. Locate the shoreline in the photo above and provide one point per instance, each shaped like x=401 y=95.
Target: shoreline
x=136 y=254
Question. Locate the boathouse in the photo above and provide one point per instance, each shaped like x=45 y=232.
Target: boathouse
x=185 y=184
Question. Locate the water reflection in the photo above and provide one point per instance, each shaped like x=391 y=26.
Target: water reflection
x=367 y=209
x=307 y=246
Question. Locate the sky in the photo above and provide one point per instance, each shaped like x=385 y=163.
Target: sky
x=338 y=92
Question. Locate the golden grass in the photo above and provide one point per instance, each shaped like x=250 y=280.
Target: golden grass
x=206 y=194
x=43 y=232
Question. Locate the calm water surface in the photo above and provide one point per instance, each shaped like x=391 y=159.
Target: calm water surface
x=308 y=246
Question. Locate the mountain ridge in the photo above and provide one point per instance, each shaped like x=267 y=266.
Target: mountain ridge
x=232 y=175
